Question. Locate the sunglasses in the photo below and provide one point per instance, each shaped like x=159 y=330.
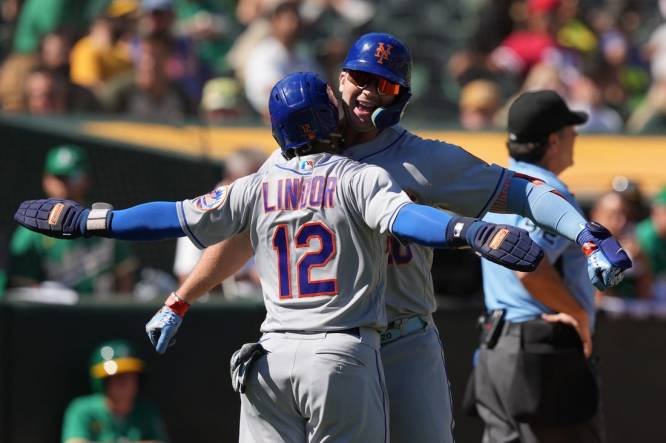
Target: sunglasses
x=362 y=80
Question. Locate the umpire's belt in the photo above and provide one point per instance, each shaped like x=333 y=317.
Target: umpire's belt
x=400 y=328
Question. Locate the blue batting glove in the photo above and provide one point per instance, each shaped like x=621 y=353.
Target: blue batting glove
x=162 y=328
x=54 y=217
x=606 y=260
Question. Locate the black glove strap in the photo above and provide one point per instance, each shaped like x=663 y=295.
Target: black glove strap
x=456 y=231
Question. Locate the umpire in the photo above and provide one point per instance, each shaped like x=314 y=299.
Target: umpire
x=534 y=380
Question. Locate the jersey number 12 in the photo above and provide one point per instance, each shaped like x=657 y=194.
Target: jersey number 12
x=311 y=259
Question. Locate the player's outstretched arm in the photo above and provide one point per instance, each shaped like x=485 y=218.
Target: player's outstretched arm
x=539 y=202
x=217 y=262
x=506 y=245
x=67 y=219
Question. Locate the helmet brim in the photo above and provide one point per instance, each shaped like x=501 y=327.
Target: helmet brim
x=374 y=68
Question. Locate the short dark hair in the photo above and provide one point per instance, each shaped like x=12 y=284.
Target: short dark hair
x=529 y=152
x=532 y=151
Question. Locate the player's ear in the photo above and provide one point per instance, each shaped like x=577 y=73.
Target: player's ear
x=332 y=97
x=341 y=79
x=554 y=140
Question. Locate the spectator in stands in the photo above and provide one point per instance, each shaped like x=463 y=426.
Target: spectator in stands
x=54 y=52
x=244 y=283
x=275 y=56
x=95 y=265
x=586 y=96
x=650 y=115
x=541 y=76
x=479 y=101
x=115 y=411
x=254 y=15
x=638 y=209
x=104 y=52
x=613 y=212
x=50 y=93
x=573 y=33
x=651 y=234
x=222 y=101
x=617 y=66
x=38 y=18
x=152 y=96
x=184 y=66
x=15 y=69
x=45 y=93
x=524 y=48
x=9 y=10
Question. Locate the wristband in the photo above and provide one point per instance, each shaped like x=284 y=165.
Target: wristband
x=99 y=220
x=177 y=304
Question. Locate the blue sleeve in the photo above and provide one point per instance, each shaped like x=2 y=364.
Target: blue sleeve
x=545 y=207
x=148 y=221
x=422 y=224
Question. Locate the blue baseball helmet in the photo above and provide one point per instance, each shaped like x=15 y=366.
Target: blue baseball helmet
x=301 y=111
x=383 y=55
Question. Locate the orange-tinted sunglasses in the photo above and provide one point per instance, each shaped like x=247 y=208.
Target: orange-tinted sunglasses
x=362 y=80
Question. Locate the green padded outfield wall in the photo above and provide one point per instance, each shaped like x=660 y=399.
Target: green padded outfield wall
x=45 y=348
x=122 y=174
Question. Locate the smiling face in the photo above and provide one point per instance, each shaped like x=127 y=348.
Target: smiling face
x=360 y=102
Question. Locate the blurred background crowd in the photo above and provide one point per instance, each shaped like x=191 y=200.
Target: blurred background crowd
x=214 y=61
x=217 y=59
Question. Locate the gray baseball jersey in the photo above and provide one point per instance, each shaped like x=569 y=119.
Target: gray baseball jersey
x=435 y=174
x=445 y=176
x=311 y=221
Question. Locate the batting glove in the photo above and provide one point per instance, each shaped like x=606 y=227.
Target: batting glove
x=162 y=328
x=241 y=362
x=61 y=218
x=505 y=245
x=606 y=260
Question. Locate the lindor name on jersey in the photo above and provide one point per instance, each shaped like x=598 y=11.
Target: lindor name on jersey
x=289 y=194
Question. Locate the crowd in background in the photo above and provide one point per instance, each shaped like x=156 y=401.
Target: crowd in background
x=216 y=60
x=171 y=60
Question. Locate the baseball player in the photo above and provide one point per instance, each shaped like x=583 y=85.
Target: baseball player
x=375 y=88
x=318 y=224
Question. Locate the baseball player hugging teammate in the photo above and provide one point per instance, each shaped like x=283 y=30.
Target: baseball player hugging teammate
x=374 y=85
x=318 y=224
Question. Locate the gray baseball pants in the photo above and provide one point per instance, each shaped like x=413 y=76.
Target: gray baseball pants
x=322 y=387
x=418 y=388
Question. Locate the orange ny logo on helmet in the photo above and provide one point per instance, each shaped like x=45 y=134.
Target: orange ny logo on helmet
x=308 y=132
x=383 y=52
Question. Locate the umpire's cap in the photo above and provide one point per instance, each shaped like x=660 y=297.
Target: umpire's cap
x=533 y=116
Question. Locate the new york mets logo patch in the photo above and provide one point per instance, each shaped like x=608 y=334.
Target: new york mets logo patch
x=383 y=52
x=213 y=200
x=308 y=132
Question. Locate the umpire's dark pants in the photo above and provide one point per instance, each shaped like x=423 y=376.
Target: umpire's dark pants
x=501 y=376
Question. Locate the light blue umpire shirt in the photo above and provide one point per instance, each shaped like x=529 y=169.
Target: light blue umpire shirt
x=501 y=286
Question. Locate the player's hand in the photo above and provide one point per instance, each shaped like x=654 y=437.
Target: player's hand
x=162 y=328
x=581 y=326
x=606 y=260
x=505 y=245
x=53 y=217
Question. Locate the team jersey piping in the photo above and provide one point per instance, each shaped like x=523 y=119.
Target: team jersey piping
x=188 y=231
x=485 y=207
